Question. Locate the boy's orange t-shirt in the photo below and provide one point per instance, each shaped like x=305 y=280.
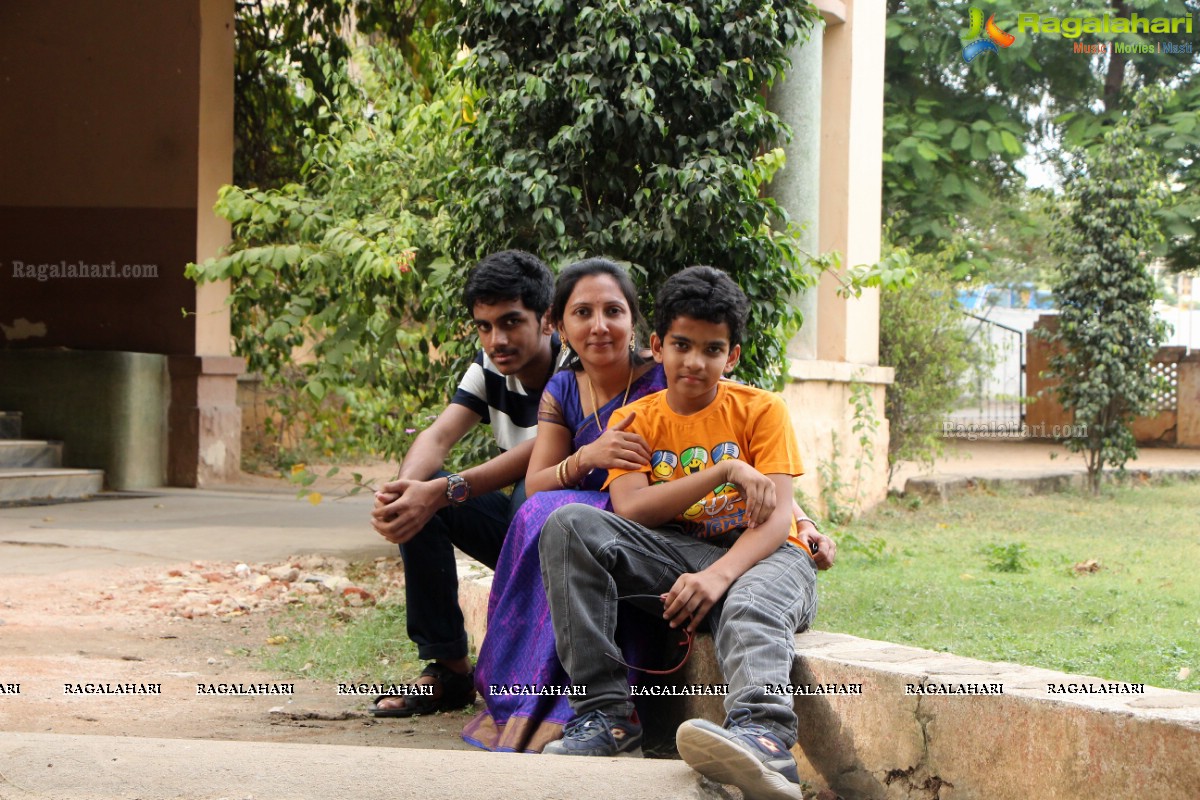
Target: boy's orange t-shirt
x=741 y=422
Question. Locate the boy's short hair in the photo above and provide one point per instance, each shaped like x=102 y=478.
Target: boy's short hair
x=510 y=275
x=704 y=293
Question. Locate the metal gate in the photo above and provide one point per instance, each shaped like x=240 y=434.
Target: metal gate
x=993 y=390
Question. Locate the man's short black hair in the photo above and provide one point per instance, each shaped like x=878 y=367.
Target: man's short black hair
x=703 y=293
x=510 y=275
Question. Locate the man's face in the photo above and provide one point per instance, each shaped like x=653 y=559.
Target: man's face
x=512 y=336
x=694 y=354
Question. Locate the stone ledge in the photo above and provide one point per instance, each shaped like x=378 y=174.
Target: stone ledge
x=1026 y=742
x=1029 y=482
x=884 y=744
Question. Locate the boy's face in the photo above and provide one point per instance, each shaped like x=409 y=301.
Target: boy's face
x=515 y=338
x=694 y=354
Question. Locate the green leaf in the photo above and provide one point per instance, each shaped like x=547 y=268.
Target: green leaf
x=1010 y=143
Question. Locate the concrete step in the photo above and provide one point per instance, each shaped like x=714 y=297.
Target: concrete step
x=18 y=484
x=10 y=424
x=77 y=767
x=30 y=453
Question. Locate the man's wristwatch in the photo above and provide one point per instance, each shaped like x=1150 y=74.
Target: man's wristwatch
x=457 y=489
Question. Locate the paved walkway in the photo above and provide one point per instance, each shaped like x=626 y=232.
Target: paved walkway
x=992 y=458
x=174 y=525
x=77 y=767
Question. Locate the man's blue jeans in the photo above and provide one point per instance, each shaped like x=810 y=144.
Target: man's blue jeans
x=477 y=527
x=591 y=557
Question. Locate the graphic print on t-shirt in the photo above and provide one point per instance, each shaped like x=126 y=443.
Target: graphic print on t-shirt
x=693 y=459
x=718 y=512
x=662 y=465
x=742 y=422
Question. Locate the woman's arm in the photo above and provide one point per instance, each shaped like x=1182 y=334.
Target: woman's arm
x=555 y=464
x=552 y=445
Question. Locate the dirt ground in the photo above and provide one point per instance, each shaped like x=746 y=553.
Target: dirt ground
x=176 y=626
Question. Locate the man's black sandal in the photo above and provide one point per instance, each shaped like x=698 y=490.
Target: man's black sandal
x=458 y=691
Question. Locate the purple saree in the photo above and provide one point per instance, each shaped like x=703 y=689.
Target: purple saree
x=518 y=650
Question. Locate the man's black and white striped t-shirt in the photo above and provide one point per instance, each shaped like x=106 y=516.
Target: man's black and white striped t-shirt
x=501 y=400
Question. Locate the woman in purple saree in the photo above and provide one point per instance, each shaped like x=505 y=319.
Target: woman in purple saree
x=595 y=310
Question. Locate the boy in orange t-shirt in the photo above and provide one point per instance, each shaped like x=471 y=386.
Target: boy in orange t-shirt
x=708 y=527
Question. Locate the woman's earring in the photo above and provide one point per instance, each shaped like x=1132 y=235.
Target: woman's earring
x=633 y=342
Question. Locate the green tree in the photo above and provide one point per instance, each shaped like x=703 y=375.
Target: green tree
x=637 y=130
x=1174 y=136
x=955 y=131
x=360 y=261
x=1007 y=243
x=288 y=51
x=278 y=47
x=1106 y=326
x=351 y=261
x=922 y=336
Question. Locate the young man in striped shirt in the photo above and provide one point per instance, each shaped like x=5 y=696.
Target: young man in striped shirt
x=429 y=512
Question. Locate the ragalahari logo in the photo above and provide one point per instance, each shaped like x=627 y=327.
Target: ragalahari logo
x=983 y=38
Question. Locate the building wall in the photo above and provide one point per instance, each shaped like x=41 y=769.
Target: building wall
x=843 y=467
x=99 y=154
x=117 y=135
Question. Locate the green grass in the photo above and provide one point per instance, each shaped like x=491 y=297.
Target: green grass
x=366 y=645
x=991 y=576
x=986 y=576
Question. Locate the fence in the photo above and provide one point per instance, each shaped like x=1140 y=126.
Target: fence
x=1176 y=417
x=991 y=403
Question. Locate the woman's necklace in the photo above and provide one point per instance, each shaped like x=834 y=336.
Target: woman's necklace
x=596 y=406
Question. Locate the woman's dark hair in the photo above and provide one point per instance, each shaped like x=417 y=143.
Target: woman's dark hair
x=510 y=275
x=573 y=274
x=704 y=293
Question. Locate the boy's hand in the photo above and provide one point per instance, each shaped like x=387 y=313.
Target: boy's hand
x=820 y=547
x=616 y=448
x=691 y=598
x=757 y=489
x=826 y=552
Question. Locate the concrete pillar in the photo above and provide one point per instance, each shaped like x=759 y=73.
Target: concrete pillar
x=833 y=182
x=205 y=422
x=214 y=168
x=851 y=177
x=797 y=187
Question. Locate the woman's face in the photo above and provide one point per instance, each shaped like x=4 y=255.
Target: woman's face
x=597 y=321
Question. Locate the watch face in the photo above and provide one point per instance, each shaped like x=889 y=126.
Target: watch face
x=457 y=488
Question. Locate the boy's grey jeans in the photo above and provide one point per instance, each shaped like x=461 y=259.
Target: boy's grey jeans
x=591 y=557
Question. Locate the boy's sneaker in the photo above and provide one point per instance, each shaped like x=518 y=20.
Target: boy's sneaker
x=599 y=734
x=745 y=755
